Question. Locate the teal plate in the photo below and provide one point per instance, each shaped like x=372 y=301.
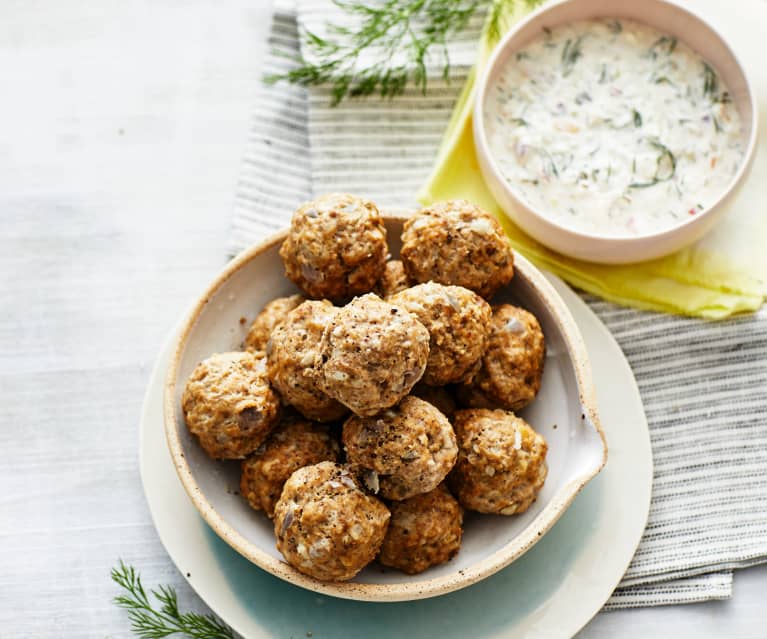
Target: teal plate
x=551 y=591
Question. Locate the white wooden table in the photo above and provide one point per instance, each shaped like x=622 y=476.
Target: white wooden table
x=123 y=124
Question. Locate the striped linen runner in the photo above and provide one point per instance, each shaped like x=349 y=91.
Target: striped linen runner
x=703 y=384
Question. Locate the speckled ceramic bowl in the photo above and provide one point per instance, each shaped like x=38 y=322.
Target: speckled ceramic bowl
x=564 y=412
x=667 y=17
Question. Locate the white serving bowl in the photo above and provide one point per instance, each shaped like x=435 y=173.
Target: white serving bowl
x=564 y=412
x=666 y=17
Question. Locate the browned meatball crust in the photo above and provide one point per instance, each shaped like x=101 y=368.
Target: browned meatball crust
x=326 y=526
x=294 y=444
x=404 y=451
x=501 y=463
x=372 y=353
x=458 y=321
x=392 y=281
x=291 y=354
x=270 y=317
x=336 y=247
x=424 y=531
x=457 y=243
x=437 y=396
x=512 y=365
x=229 y=405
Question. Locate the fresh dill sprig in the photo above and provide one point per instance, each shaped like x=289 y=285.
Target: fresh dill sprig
x=552 y=166
x=665 y=165
x=662 y=79
x=710 y=82
x=664 y=44
x=402 y=38
x=571 y=54
x=603 y=74
x=711 y=86
x=162 y=619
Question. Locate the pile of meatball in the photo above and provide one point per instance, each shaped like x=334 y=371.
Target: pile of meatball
x=374 y=407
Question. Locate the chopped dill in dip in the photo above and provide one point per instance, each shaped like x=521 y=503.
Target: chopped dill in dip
x=610 y=127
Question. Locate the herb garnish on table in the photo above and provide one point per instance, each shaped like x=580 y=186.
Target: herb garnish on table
x=159 y=616
x=401 y=39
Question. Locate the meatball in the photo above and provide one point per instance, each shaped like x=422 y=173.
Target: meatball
x=392 y=281
x=512 y=365
x=372 y=353
x=458 y=321
x=424 y=531
x=437 y=396
x=336 y=247
x=457 y=243
x=290 y=359
x=501 y=463
x=326 y=526
x=229 y=405
x=404 y=451
x=270 y=317
x=296 y=443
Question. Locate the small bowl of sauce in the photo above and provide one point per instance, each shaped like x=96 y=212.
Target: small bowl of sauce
x=614 y=132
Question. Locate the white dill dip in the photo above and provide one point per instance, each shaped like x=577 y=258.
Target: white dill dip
x=612 y=128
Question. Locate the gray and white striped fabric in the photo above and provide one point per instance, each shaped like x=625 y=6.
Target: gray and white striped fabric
x=703 y=384
x=276 y=172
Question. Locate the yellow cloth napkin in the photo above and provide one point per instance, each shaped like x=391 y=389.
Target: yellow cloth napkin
x=722 y=274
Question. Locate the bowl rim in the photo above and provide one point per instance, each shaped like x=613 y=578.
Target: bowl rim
x=403 y=591
x=500 y=55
